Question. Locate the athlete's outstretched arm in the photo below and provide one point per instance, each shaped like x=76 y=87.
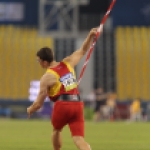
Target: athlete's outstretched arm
x=45 y=83
x=75 y=57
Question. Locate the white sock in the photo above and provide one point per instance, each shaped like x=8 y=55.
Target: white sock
x=89 y=147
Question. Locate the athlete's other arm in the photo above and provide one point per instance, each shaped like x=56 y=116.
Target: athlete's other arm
x=46 y=82
x=75 y=57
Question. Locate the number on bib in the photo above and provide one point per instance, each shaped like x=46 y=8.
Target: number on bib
x=68 y=81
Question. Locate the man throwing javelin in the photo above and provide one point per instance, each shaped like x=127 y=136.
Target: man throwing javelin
x=59 y=83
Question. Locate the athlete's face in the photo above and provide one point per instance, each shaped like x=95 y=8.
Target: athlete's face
x=42 y=62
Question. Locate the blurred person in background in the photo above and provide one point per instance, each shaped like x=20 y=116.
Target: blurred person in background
x=111 y=104
x=100 y=101
x=90 y=99
x=59 y=83
x=135 y=110
x=146 y=114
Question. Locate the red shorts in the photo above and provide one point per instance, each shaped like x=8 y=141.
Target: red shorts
x=70 y=113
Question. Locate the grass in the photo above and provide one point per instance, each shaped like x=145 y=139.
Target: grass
x=36 y=134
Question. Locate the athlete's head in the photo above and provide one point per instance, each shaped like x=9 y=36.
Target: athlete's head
x=45 y=56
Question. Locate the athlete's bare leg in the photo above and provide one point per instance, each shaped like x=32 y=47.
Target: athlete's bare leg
x=56 y=139
x=80 y=143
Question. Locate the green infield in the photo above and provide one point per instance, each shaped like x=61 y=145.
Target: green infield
x=36 y=135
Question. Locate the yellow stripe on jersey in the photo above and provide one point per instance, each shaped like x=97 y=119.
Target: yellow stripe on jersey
x=69 y=68
x=55 y=89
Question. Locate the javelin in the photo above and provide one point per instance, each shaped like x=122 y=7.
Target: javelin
x=100 y=28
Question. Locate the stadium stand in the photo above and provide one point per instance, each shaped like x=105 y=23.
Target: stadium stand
x=18 y=60
x=133 y=63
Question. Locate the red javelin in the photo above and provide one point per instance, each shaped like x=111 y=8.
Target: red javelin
x=99 y=30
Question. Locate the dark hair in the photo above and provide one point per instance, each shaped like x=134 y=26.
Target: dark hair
x=45 y=54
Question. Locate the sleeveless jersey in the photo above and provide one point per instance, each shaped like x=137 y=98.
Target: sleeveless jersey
x=66 y=81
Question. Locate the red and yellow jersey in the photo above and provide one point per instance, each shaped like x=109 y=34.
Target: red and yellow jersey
x=66 y=81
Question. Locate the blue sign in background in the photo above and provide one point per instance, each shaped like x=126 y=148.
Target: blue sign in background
x=31 y=13
x=131 y=12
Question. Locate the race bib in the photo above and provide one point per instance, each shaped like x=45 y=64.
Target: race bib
x=68 y=81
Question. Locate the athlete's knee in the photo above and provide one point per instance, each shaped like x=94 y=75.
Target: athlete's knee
x=80 y=143
x=56 y=139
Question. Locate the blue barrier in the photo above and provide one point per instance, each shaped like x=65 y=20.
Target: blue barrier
x=18 y=109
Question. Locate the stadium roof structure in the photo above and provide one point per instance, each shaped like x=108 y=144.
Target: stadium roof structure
x=59 y=18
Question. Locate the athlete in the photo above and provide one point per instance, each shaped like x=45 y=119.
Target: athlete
x=59 y=83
